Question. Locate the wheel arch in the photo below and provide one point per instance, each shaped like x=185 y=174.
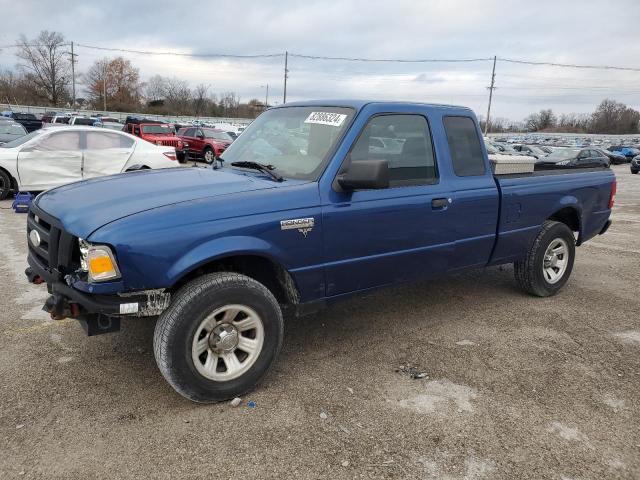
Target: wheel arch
x=571 y=216
x=257 y=265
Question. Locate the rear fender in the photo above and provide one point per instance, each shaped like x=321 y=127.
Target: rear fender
x=569 y=201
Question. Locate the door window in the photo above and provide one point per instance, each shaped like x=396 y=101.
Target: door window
x=103 y=141
x=58 y=141
x=405 y=142
x=190 y=132
x=464 y=145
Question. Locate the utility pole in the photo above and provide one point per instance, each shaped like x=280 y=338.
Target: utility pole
x=286 y=75
x=491 y=88
x=104 y=86
x=73 y=76
x=266 y=98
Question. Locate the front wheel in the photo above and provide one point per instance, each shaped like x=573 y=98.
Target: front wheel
x=209 y=155
x=5 y=185
x=549 y=261
x=219 y=337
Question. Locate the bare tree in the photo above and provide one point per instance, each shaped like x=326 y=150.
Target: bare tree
x=45 y=62
x=178 y=96
x=200 y=99
x=155 y=89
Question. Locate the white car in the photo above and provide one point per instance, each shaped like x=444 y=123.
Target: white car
x=51 y=157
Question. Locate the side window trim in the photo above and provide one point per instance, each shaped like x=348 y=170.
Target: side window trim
x=347 y=158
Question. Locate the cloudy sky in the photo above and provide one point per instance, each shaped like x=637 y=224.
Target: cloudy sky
x=576 y=32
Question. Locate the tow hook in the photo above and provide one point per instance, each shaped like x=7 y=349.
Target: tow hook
x=32 y=277
x=59 y=308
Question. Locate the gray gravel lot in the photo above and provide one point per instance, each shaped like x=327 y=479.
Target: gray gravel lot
x=517 y=387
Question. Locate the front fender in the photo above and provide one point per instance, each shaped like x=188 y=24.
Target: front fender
x=220 y=248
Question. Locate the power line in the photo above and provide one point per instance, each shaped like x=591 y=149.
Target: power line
x=179 y=54
x=391 y=60
x=570 y=65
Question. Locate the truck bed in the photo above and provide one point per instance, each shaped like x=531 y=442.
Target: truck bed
x=529 y=199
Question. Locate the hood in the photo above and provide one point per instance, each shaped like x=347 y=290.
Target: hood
x=85 y=206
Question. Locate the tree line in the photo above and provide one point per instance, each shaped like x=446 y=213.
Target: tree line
x=44 y=77
x=609 y=117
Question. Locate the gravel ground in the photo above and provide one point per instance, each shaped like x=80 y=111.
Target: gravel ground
x=517 y=387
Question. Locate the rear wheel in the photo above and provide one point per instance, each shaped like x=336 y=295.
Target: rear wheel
x=5 y=185
x=219 y=337
x=549 y=261
x=209 y=155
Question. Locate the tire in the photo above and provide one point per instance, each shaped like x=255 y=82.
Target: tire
x=634 y=172
x=5 y=185
x=209 y=155
x=531 y=274
x=180 y=329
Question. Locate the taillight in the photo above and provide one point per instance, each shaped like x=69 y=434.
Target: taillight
x=170 y=155
x=612 y=197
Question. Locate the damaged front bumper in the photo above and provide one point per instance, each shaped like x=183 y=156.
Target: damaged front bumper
x=97 y=313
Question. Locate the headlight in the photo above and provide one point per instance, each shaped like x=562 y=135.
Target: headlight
x=98 y=261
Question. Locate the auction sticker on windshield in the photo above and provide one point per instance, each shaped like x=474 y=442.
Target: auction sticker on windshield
x=326 y=118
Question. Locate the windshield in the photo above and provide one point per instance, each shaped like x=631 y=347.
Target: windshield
x=565 y=154
x=537 y=150
x=21 y=140
x=11 y=129
x=217 y=135
x=295 y=140
x=157 y=129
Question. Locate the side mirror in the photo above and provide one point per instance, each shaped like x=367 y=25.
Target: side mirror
x=201 y=137
x=365 y=175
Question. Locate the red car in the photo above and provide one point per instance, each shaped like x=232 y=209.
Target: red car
x=204 y=142
x=158 y=133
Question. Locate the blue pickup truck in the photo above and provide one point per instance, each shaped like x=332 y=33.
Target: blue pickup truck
x=314 y=202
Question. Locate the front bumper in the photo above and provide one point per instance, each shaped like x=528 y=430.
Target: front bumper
x=97 y=313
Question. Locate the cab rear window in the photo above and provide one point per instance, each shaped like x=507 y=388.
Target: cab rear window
x=464 y=145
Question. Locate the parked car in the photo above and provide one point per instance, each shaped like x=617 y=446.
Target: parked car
x=27 y=120
x=56 y=120
x=531 y=150
x=158 y=133
x=574 y=157
x=206 y=143
x=505 y=148
x=615 y=158
x=218 y=253
x=10 y=130
x=628 y=152
x=51 y=157
x=635 y=164
x=110 y=125
x=78 y=120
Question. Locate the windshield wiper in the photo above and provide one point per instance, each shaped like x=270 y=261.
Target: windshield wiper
x=268 y=169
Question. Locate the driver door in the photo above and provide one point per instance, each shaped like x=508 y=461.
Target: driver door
x=53 y=160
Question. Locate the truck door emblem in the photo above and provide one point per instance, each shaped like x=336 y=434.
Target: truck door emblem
x=303 y=225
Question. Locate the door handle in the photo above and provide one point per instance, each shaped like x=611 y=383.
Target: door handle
x=440 y=203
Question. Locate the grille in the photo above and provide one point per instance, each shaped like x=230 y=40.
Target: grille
x=58 y=251
x=170 y=143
